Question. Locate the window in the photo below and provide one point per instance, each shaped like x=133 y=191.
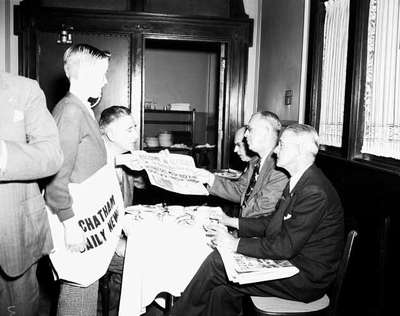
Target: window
x=381 y=135
x=357 y=114
x=334 y=62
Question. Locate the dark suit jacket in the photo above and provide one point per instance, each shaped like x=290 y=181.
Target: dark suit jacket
x=307 y=229
x=34 y=152
x=266 y=192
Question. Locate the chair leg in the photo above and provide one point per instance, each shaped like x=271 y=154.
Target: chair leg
x=105 y=294
x=169 y=302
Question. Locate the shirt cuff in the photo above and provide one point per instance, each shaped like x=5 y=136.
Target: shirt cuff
x=3 y=155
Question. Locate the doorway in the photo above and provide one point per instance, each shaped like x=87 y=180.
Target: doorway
x=181 y=98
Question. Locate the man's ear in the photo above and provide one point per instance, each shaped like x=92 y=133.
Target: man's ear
x=109 y=132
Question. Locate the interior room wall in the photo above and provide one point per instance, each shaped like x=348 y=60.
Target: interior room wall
x=173 y=76
x=177 y=76
x=8 y=41
x=281 y=48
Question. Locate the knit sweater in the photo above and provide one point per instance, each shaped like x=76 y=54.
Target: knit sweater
x=84 y=153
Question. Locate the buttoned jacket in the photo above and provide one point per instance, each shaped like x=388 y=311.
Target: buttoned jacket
x=33 y=151
x=265 y=194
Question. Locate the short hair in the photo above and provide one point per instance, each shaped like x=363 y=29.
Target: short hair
x=308 y=136
x=273 y=121
x=240 y=132
x=79 y=54
x=111 y=114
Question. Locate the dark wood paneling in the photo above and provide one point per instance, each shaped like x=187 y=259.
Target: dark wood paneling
x=233 y=34
x=50 y=70
x=370 y=199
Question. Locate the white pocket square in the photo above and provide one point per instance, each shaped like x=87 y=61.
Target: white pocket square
x=287 y=216
x=18 y=116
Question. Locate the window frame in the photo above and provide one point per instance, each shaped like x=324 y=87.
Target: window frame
x=353 y=120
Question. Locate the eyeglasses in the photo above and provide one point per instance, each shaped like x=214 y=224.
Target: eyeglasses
x=248 y=128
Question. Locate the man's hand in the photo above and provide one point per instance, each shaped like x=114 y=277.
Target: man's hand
x=73 y=236
x=216 y=213
x=121 y=246
x=139 y=182
x=220 y=237
x=132 y=161
x=204 y=176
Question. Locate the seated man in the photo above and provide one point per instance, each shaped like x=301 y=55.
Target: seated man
x=260 y=186
x=119 y=134
x=307 y=229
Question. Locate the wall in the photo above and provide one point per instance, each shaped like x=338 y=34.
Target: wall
x=183 y=76
x=281 y=48
x=8 y=42
x=173 y=76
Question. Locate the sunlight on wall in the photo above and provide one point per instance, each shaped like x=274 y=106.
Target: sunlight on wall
x=8 y=41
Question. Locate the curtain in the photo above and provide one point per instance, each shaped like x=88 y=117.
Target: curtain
x=382 y=86
x=334 y=62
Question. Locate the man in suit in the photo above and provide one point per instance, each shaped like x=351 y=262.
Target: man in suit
x=260 y=186
x=307 y=229
x=29 y=151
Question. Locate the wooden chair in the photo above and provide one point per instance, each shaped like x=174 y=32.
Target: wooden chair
x=323 y=306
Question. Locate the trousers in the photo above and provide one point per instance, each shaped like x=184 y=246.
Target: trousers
x=210 y=293
x=78 y=301
x=19 y=295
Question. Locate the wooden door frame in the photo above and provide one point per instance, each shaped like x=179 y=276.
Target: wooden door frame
x=235 y=34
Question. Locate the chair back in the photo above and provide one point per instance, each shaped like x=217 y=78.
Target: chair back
x=337 y=285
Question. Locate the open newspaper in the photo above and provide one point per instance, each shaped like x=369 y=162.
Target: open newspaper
x=172 y=172
x=243 y=269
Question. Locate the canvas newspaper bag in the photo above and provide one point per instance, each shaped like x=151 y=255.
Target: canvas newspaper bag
x=99 y=209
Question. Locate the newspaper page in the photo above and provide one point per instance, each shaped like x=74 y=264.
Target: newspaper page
x=172 y=172
x=99 y=210
x=243 y=269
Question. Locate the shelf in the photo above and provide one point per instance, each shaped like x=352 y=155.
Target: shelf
x=169 y=111
x=165 y=122
x=180 y=124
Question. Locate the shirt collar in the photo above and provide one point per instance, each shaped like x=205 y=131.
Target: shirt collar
x=296 y=177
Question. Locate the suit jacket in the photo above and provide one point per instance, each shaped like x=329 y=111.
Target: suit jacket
x=307 y=229
x=266 y=192
x=33 y=148
x=84 y=152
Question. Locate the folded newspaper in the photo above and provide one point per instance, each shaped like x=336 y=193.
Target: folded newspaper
x=172 y=172
x=243 y=269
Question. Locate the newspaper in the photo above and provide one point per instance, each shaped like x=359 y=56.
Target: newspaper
x=99 y=211
x=243 y=269
x=172 y=172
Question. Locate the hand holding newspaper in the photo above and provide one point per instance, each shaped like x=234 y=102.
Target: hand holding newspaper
x=243 y=269
x=172 y=172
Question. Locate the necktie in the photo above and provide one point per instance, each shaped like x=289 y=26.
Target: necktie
x=252 y=182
